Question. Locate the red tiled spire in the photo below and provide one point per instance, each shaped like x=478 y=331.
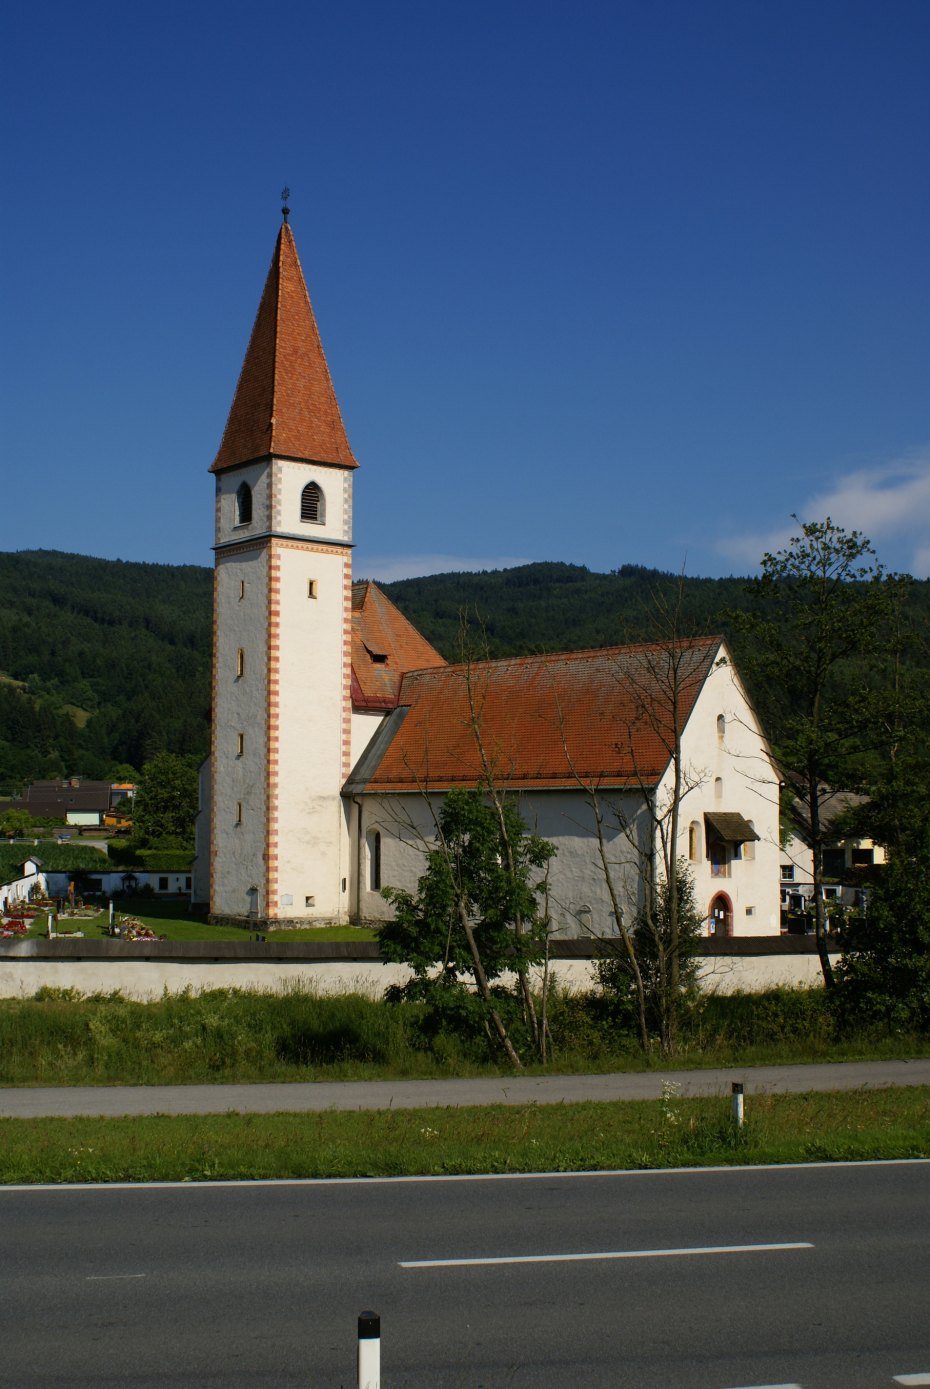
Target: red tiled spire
x=284 y=403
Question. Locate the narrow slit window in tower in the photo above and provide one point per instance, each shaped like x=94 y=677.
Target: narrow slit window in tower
x=243 y=504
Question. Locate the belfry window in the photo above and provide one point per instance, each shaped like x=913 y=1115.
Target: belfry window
x=313 y=504
x=243 y=504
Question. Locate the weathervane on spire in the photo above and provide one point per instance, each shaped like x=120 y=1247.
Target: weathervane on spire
x=285 y=194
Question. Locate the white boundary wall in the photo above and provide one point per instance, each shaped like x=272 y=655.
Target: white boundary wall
x=146 y=979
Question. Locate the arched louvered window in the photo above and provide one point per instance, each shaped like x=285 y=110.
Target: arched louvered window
x=313 y=504
x=243 y=504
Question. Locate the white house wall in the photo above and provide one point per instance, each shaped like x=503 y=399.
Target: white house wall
x=732 y=772
x=19 y=889
x=579 y=899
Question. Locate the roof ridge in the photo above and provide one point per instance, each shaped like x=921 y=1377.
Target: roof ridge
x=587 y=651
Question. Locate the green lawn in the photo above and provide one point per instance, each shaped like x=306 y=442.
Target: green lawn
x=172 y=917
x=671 y=1132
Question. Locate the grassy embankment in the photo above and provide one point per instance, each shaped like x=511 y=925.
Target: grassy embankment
x=630 y=1134
x=61 y=1038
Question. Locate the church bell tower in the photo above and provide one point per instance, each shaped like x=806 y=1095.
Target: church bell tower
x=282 y=618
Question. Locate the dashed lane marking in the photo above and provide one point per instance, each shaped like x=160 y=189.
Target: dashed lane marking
x=605 y=1254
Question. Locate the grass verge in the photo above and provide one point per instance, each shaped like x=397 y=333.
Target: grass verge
x=671 y=1132
x=60 y=1037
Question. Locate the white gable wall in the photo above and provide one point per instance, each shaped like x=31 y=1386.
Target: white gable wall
x=735 y=773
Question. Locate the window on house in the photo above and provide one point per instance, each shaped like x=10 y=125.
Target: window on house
x=241 y=589
x=374 y=861
x=787 y=872
x=863 y=858
x=313 y=504
x=721 y=726
x=240 y=744
x=311 y=588
x=243 y=504
x=162 y=884
x=719 y=862
x=834 y=863
x=749 y=848
x=187 y=884
x=750 y=911
x=694 y=842
x=718 y=788
x=238 y=812
x=240 y=663
x=309 y=901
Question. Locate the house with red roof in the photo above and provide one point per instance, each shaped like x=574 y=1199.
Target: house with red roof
x=338 y=728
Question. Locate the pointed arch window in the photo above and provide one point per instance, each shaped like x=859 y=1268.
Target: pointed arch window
x=243 y=504
x=313 y=504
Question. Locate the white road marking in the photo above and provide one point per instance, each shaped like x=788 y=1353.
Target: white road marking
x=607 y=1254
x=770 y=1386
x=912 y=1379
x=188 y=1185
x=109 y=1277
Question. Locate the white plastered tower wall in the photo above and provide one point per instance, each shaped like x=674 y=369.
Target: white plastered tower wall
x=281 y=727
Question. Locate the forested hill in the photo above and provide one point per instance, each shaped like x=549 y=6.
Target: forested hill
x=556 y=607
x=104 y=663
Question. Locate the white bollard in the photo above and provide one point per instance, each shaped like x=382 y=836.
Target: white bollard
x=738 y=1104
x=111 y=916
x=369 y=1350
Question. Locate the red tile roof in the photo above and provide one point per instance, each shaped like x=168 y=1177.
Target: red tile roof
x=284 y=403
x=604 y=715
x=384 y=647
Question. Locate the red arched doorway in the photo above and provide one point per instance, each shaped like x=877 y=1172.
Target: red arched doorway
x=720 y=916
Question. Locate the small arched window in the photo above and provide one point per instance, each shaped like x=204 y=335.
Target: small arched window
x=749 y=848
x=243 y=504
x=694 y=841
x=718 y=788
x=313 y=504
x=721 y=726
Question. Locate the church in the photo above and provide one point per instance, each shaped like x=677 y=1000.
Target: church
x=337 y=728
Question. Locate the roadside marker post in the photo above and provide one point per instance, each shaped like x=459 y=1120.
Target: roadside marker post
x=738 y=1103
x=369 y=1350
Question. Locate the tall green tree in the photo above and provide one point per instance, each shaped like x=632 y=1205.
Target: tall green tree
x=165 y=804
x=481 y=880
x=665 y=924
x=822 y=626
x=883 y=977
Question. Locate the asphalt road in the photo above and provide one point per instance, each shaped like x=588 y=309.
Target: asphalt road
x=259 y=1285
x=68 y=1101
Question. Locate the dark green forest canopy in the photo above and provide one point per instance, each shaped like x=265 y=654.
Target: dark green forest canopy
x=105 y=663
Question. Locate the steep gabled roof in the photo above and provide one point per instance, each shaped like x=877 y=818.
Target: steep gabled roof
x=602 y=717
x=284 y=402
x=384 y=647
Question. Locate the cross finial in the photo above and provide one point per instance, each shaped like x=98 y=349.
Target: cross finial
x=285 y=194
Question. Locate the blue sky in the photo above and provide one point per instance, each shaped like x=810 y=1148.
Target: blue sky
x=606 y=283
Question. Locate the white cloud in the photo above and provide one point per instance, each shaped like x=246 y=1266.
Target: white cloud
x=890 y=503
x=387 y=568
